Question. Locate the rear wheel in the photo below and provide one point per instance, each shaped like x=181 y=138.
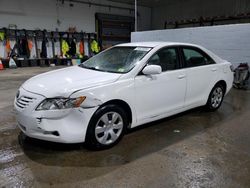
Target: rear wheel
x=106 y=127
x=215 y=97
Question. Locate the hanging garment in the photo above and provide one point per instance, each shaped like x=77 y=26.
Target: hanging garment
x=57 y=49
x=7 y=47
x=14 y=51
x=78 y=48
x=72 y=50
x=32 y=48
x=65 y=47
x=38 y=48
x=2 y=36
x=23 y=48
x=49 y=49
x=12 y=43
x=44 y=49
x=30 y=45
x=2 y=50
x=18 y=47
x=81 y=48
x=95 y=47
x=87 y=50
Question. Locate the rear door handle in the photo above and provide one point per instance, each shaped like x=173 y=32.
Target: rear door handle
x=214 y=69
x=181 y=76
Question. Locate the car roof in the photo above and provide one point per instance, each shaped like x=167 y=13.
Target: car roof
x=155 y=44
x=166 y=44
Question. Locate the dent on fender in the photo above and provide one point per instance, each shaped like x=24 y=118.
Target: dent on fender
x=91 y=102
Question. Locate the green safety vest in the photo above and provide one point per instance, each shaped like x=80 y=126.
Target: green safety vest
x=95 y=47
x=65 y=47
x=2 y=35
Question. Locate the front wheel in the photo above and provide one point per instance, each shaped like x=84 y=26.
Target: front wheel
x=106 y=127
x=215 y=97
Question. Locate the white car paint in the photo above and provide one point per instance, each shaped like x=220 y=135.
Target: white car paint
x=67 y=81
x=150 y=97
x=147 y=90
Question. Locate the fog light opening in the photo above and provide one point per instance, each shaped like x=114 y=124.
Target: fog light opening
x=23 y=128
x=55 y=133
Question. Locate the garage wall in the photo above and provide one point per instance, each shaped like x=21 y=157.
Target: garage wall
x=43 y=14
x=231 y=42
x=176 y=10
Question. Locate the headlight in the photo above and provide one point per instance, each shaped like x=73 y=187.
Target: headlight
x=60 y=103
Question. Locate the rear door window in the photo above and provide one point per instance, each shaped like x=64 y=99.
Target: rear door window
x=194 y=57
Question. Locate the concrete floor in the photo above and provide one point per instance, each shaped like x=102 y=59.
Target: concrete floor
x=193 y=149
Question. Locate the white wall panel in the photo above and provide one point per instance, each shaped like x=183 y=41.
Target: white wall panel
x=231 y=42
x=43 y=14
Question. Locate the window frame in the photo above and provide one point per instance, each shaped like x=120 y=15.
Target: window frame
x=184 y=64
x=179 y=58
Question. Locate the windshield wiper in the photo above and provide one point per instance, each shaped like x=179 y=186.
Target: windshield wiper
x=92 y=68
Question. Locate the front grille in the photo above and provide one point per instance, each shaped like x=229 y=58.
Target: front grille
x=24 y=101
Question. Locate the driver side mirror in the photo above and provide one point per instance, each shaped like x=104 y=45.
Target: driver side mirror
x=152 y=69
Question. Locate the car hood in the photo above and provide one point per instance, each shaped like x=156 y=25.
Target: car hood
x=63 y=82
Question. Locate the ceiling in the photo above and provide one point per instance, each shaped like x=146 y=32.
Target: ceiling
x=147 y=3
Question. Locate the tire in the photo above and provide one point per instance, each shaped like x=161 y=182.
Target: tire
x=215 y=98
x=106 y=128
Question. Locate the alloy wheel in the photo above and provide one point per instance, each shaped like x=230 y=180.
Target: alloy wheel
x=109 y=128
x=217 y=97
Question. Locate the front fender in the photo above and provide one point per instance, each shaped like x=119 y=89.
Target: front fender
x=96 y=96
x=91 y=100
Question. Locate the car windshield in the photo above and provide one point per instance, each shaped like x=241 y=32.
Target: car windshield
x=117 y=59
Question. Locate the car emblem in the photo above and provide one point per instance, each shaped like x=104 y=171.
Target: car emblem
x=17 y=94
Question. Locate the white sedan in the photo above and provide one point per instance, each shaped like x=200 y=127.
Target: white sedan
x=120 y=88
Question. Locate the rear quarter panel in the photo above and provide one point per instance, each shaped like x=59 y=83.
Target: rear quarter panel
x=227 y=75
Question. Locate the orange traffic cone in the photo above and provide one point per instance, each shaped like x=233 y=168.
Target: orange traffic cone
x=1 y=65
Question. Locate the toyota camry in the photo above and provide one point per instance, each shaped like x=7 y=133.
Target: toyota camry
x=120 y=88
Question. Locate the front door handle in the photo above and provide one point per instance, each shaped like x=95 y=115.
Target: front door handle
x=214 y=69
x=181 y=76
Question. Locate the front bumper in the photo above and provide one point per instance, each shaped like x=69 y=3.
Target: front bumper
x=63 y=126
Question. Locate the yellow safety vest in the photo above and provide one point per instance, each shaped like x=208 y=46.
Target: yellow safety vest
x=2 y=35
x=65 y=47
x=95 y=47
